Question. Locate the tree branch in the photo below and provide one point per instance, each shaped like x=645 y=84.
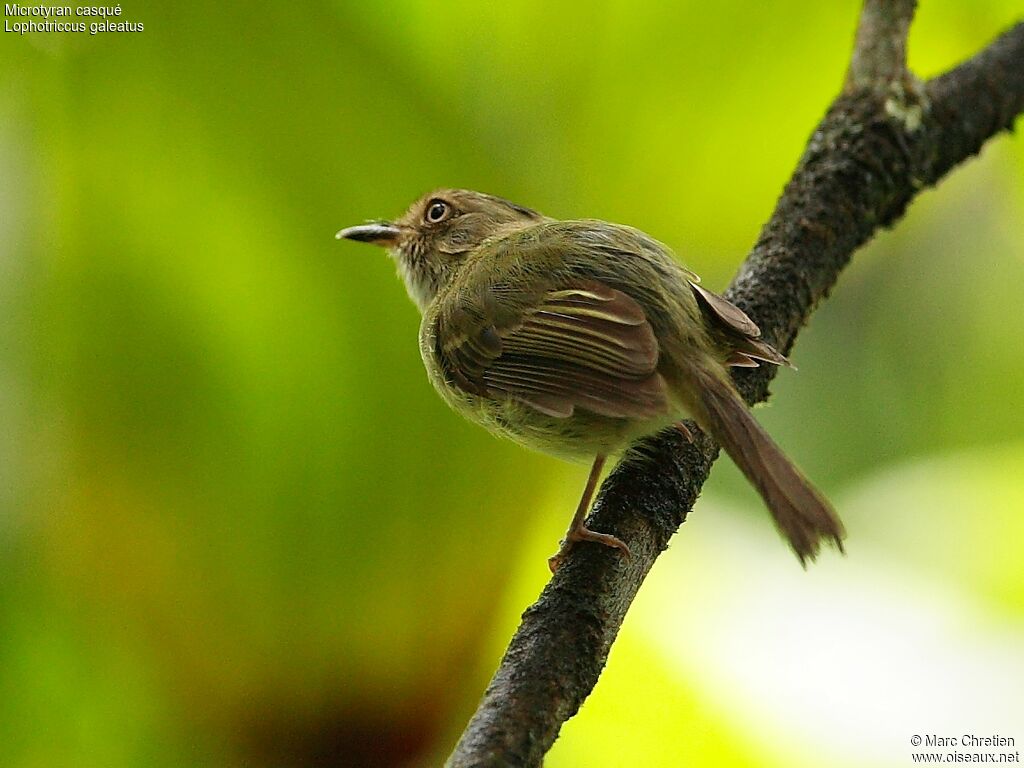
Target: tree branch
x=880 y=49
x=878 y=145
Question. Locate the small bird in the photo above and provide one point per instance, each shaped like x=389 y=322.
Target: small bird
x=578 y=337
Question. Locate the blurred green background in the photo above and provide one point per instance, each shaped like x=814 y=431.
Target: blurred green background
x=238 y=528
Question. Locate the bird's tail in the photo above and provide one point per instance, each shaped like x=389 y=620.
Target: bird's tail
x=802 y=515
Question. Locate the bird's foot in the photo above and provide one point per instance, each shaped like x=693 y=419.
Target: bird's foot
x=684 y=430
x=582 y=533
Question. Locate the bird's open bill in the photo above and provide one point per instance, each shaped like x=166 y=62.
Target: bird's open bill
x=378 y=233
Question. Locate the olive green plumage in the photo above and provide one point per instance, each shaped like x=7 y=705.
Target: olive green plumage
x=577 y=337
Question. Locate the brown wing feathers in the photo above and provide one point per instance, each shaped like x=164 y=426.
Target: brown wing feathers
x=587 y=346
x=741 y=333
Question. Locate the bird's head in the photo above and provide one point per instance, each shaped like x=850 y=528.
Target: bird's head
x=434 y=237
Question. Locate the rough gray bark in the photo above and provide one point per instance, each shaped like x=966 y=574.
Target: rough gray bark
x=883 y=139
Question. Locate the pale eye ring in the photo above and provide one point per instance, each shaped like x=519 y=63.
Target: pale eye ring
x=437 y=211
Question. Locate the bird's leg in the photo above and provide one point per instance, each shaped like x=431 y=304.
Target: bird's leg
x=577 y=530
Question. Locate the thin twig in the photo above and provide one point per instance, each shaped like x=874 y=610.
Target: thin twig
x=864 y=163
x=880 y=50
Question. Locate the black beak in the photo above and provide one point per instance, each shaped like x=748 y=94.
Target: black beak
x=378 y=233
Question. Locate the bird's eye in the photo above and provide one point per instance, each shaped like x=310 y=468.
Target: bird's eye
x=437 y=211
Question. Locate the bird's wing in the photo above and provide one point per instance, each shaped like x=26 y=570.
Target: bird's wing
x=743 y=334
x=579 y=345
x=725 y=312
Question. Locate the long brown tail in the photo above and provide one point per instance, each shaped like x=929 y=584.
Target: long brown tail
x=801 y=514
